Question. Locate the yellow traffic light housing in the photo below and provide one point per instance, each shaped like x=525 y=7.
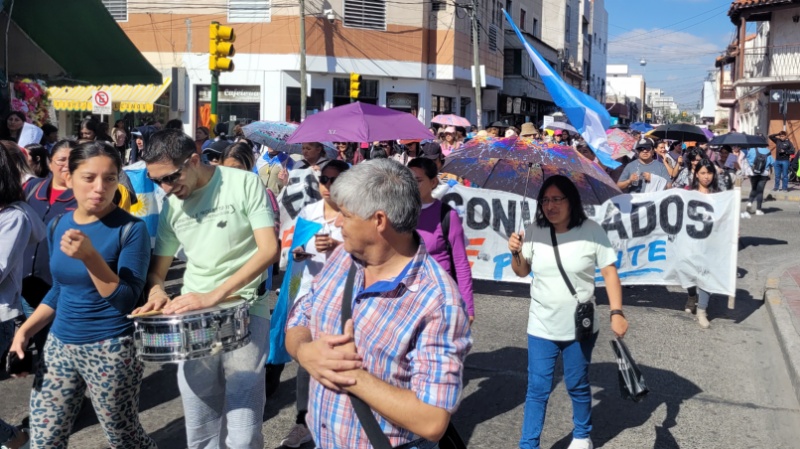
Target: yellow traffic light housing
x=220 y=47
x=355 y=86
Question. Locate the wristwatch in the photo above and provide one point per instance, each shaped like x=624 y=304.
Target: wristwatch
x=616 y=312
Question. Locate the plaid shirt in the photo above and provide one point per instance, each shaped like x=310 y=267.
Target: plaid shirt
x=412 y=333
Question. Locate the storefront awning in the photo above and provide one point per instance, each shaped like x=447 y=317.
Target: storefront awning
x=72 y=42
x=124 y=98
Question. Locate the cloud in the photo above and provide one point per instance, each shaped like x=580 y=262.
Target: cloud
x=677 y=62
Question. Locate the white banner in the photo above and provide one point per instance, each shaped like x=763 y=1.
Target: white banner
x=302 y=189
x=674 y=237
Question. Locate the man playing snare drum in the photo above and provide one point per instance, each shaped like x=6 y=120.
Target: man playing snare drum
x=221 y=218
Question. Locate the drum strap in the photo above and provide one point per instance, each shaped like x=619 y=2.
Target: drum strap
x=377 y=438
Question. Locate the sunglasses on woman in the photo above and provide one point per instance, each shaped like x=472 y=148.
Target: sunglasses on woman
x=324 y=180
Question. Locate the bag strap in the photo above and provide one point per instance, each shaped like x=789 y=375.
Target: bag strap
x=445 y=220
x=51 y=230
x=561 y=267
x=33 y=190
x=377 y=438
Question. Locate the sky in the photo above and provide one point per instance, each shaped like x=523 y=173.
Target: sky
x=679 y=39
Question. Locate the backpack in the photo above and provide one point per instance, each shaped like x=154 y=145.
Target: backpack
x=760 y=163
x=444 y=218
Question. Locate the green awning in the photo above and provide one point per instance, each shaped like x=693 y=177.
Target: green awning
x=70 y=42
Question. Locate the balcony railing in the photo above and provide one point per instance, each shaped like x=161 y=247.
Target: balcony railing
x=772 y=62
x=727 y=93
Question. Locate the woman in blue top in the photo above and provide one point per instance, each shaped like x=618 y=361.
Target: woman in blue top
x=98 y=258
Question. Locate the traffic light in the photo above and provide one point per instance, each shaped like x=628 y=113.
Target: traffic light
x=355 y=86
x=220 y=47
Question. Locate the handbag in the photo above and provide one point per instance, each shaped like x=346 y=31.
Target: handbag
x=378 y=439
x=584 y=311
x=631 y=381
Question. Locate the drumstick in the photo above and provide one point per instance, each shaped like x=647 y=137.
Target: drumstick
x=158 y=312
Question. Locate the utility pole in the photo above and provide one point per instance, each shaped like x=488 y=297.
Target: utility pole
x=303 y=86
x=476 y=75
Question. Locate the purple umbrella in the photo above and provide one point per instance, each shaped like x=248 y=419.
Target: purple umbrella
x=708 y=133
x=359 y=122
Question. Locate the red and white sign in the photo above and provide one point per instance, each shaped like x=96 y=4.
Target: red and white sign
x=101 y=102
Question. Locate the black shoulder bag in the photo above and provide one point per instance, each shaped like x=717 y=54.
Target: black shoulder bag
x=584 y=312
x=379 y=440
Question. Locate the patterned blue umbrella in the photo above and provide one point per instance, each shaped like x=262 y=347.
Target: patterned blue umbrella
x=275 y=134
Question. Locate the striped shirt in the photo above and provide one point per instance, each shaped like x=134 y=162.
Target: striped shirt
x=412 y=332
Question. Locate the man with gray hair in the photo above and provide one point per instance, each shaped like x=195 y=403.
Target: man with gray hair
x=402 y=353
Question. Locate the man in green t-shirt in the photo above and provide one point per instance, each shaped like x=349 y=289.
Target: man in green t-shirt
x=220 y=216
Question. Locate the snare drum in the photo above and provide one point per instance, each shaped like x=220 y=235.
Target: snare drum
x=192 y=335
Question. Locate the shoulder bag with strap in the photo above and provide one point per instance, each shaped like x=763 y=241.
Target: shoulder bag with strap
x=378 y=439
x=584 y=312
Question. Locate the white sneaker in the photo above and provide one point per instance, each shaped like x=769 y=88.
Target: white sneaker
x=298 y=436
x=582 y=443
x=745 y=214
x=759 y=212
x=749 y=205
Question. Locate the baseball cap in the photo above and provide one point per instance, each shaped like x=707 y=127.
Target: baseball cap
x=645 y=142
x=431 y=150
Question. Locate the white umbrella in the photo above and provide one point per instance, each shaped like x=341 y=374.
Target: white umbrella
x=563 y=126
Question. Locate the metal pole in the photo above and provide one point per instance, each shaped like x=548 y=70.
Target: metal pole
x=476 y=61
x=303 y=86
x=214 y=90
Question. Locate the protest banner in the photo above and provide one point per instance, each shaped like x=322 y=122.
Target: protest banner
x=672 y=237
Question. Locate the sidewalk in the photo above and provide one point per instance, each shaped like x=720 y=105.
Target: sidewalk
x=782 y=298
x=769 y=195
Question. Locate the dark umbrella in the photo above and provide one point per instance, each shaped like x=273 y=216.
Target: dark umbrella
x=680 y=131
x=519 y=165
x=740 y=140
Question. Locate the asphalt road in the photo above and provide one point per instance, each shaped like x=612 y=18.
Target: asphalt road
x=725 y=387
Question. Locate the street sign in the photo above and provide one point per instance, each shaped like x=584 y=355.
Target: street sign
x=778 y=95
x=101 y=102
x=474 y=74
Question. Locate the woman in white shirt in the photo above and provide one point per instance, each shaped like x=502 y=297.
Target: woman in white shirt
x=553 y=320
x=314 y=255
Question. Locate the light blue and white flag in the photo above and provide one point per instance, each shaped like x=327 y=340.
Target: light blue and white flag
x=148 y=204
x=280 y=158
x=585 y=113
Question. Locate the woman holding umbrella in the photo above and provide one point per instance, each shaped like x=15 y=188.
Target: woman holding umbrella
x=562 y=293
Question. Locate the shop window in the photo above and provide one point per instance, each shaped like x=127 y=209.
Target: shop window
x=249 y=11
x=118 y=9
x=441 y=105
x=366 y=14
x=341 y=91
x=465 y=102
x=314 y=102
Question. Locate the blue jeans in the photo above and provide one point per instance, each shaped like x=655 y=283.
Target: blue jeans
x=781 y=175
x=542 y=355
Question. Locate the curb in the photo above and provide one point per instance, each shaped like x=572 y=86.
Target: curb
x=772 y=196
x=785 y=330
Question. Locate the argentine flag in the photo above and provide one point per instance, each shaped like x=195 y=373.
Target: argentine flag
x=280 y=158
x=147 y=206
x=586 y=114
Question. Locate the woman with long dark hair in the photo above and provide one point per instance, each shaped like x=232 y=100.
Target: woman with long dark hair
x=11 y=127
x=99 y=258
x=561 y=228
x=19 y=227
x=706 y=180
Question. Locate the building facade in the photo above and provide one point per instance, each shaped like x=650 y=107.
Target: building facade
x=625 y=94
x=415 y=57
x=759 y=74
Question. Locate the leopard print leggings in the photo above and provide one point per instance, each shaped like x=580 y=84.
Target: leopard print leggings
x=113 y=376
